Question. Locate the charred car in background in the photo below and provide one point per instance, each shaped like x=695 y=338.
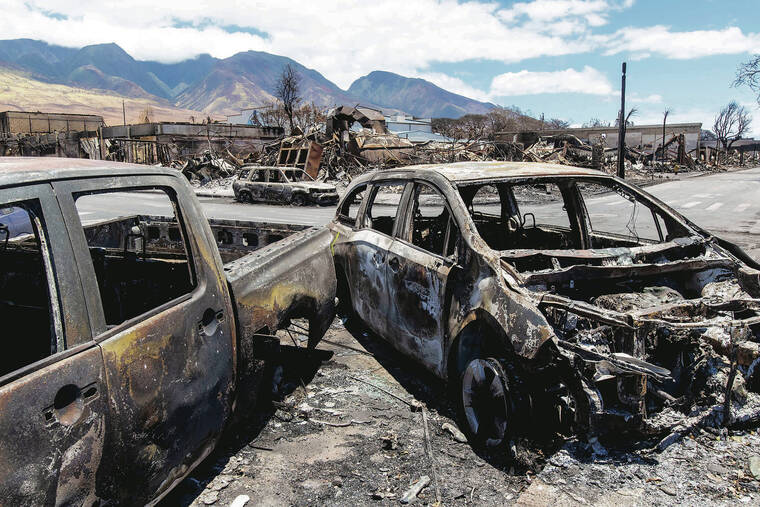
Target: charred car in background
x=551 y=298
x=281 y=185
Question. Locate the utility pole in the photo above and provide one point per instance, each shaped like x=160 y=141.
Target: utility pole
x=124 y=112
x=621 y=130
x=664 y=119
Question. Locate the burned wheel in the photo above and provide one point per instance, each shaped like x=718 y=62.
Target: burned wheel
x=570 y=407
x=246 y=197
x=298 y=200
x=485 y=404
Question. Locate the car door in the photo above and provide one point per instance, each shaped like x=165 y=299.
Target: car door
x=419 y=262
x=368 y=253
x=162 y=316
x=258 y=184
x=276 y=186
x=53 y=390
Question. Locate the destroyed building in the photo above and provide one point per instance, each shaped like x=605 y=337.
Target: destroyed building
x=24 y=133
x=642 y=137
x=164 y=142
x=417 y=130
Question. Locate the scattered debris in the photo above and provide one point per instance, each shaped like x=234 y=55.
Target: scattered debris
x=431 y=457
x=411 y=494
x=754 y=466
x=240 y=501
x=210 y=497
x=454 y=432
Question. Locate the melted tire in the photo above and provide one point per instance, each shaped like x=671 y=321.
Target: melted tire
x=484 y=404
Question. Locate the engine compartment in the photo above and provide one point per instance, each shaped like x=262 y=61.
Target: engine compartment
x=665 y=333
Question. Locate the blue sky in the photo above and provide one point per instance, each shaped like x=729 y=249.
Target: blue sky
x=557 y=57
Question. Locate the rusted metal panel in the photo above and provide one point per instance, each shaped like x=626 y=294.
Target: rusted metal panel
x=292 y=278
x=54 y=428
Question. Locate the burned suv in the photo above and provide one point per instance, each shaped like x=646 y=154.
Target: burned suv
x=281 y=185
x=551 y=298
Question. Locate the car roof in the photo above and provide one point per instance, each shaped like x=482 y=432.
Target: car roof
x=19 y=170
x=459 y=172
x=283 y=168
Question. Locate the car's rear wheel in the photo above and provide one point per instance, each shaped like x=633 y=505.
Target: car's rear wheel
x=298 y=200
x=245 y=197
x=484 y=403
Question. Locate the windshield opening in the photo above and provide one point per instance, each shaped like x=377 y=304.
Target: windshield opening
x=294 y=175
x=566 y=214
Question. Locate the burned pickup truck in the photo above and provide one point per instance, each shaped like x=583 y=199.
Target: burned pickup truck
x=132 y=326
x=551 y=298
x=285 y=185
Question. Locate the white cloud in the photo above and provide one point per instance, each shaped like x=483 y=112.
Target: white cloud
x=635 y=98
x=547 y=10
x=588 y=81
x=455 y=85
x=343 y=40
x=681 y=45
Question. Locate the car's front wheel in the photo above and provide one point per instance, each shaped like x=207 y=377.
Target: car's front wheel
x=484 y=403
x=298 y=200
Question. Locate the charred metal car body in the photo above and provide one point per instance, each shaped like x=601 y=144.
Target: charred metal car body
x=281 y=185
x=549 y=296
x=129 y=341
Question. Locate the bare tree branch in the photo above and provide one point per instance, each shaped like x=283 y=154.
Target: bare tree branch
x=288 y=91
x=731 y=123
x=748 y=74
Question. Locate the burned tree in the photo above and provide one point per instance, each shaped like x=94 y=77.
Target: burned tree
x=731 y=123
x=748 y=74
x=596 y=122
x=557 y=123
x=288 y=91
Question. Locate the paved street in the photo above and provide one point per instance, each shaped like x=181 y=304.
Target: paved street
x=727 y=204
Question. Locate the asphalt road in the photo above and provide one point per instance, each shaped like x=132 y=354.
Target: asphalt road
x=727 y=204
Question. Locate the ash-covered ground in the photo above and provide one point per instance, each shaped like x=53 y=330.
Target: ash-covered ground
x=348 y=427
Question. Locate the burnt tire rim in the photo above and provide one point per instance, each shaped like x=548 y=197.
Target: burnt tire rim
x=485 y=401
x=298 y=200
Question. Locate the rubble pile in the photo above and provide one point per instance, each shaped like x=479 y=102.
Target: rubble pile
x=355 y=140
x=208 y=166
x=61 y=144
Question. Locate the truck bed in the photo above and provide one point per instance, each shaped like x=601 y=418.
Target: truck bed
x=276 y=272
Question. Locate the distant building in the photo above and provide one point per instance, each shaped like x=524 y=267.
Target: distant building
x=25 y=122
x=646 y=138
x=245 y=117
x=417 y=130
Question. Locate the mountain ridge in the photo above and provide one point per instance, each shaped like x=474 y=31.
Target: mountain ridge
x=217 y=86
x=416 y=96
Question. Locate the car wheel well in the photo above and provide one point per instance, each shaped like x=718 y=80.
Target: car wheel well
x=478 y=339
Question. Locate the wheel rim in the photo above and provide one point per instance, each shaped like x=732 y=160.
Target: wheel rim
x=298 y=200
x=484 y=398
